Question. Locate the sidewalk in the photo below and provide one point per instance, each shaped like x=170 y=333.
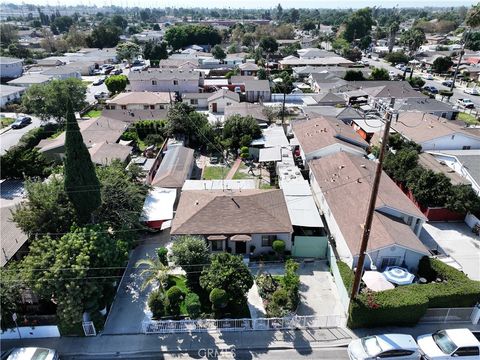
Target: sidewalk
x=110 y=346
x=234 y=169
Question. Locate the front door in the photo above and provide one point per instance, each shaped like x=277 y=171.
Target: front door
x=240 y=247
x=214 y=107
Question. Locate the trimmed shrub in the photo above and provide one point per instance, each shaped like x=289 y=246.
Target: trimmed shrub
x=347 y=275
x=156 y=303
x=278 y=246
x=280 y=297
x=193 y=305
x=218 y=298
x=174 y=299
x=291 y=283
x=162 y=255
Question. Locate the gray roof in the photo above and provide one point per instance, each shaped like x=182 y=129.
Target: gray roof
x=174 y=168
x=224 y=93
x=105 y=153
x=424 y=105
x=9 y=60
x=30 y=79
x=257 y=85
x=196 y=95
x=381 y=89
x=470 y=159
x=247 y=109
x=6 y=90
x=62 y=70
x=429 y=162
x=164 y=74
x=12 y=237
x=328 y=98
x=239 y=79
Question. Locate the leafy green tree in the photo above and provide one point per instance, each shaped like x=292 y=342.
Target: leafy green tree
x=162 y=254
x=472 y=41
x=19 y=162
x=416 y=82
x=442 y=64
x=191 y=254
x=193 y=305
x=398 y=165
x=352 y=54
x=183 y=120
x=116 y=83
x=81 y=182
x=365 y=42
x=47 y=208
x=353 y=75
x=291 y=283
x=358 y=25
x=248 y=40
x=218 y=53
x=473 y=16
x=175 y=296
x=413 y=38
x=9 y=296
x=380 y=74
x=153 y=271
x=156 y=303
x=218 y=298
x=19 y=51
x=262 y=74
x=397 y=57
x=63 y=23
x=183 y=35
x=155 y=51
x=76 y=38
x=128 y=51
x=8 y=34
x=463 y=199
x=73 y=271
x=229 y=273
x=238 y=126
x=340 y=45
x=268 y=44
x=50 y=100
x=278 y=246
x=309 y=25
x=119 y=21
x=429 y=189
x=104 y=35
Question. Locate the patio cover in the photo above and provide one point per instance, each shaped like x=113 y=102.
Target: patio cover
x=159 y=204
x=241 y=237
x=375 y=281
x=301 y=205
x=270 y=154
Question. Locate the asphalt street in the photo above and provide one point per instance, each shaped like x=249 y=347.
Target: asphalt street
x=12 y=136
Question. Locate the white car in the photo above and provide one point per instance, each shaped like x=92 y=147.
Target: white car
x=450 y=344
x=392 y=73
x=428 y=77
x=471 y=91
x=385 y=347
x=33 y=353
x=466 y=103
x=399 y=66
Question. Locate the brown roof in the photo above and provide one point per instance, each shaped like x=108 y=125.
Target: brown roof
x=105 y=153
x=174 y=168
x=346 y=182
x=224 y=93
x=211 y=212
x=141 y=97
x=247 y=109
x=421 y=127
x=12 y=237
x=428 y=161
x=324 y=131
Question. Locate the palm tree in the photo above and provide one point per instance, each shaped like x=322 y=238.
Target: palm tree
x=154 y=272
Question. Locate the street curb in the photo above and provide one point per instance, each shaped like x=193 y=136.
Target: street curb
x=3 y=131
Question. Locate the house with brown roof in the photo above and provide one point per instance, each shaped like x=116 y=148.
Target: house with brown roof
x=241 y=221
x=435 y=133
x=221 y=99
x=140 y=100
x=323 y=136
x=248 y=69
x=256 y=111
x=341 y=184
x=176 y=167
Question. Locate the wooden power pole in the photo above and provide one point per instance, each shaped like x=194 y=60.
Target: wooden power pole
x=371 y=206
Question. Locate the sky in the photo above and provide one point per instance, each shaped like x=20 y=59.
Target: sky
x=254 y=3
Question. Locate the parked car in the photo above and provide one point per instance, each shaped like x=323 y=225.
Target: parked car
x=21 y=122
x=428 y=77
x=392 y=73
x=101 y=95
x=117 y=71
x=365 y=62
x=466 y=103
x=387 y=346
x=430 y=89
x=33 y=353
x=471 y=91
x=99 y=81
x=447 y=83
x=450 y=344
x=400 y=66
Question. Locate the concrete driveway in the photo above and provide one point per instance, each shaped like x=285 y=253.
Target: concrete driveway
x=457 y=241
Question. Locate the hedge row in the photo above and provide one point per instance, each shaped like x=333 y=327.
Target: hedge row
x=405 y=305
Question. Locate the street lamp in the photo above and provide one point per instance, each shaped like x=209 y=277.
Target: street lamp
x=372 y=265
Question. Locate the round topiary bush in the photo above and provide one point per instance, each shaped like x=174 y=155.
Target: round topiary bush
x=162 y=255
x=156 y=303
x=193 y=305
x=218 y=298
x=278 y=246
x=175 y=297
x=280 y=297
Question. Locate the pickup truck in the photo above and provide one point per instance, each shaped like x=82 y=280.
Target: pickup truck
x=450 y=344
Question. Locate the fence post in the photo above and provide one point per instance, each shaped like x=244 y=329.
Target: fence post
x=446 y=316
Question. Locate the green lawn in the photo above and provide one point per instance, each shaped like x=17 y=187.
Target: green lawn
x=266 y=186
x=4 y=122
x=93 y=113
x=241 y=175
x=215 y=172
x=468 y=119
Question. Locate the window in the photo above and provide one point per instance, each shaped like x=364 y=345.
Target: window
x=145 y=107
x=124 y=107
x=467 y=351
x=453 y=137
x=160 y=107
x=152 y=107
x=267 y=240
x=389 y=261
x=216 y=245
x=193 y=101
x=154 y=82
x=175 y=82
x=466 y=147
x=395 y=353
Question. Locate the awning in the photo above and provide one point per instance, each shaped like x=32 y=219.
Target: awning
x=216 y=237
x=375 y=281
x=270 y=154
x=241 y=237
x=398 y=275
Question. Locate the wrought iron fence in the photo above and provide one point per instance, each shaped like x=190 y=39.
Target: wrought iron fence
x=202 y=325
x=444 y=315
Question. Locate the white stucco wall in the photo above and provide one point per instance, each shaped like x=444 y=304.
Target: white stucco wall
x=257 y=242
x=13 y=70
x=411 y=258
x=221 y=104
x=451 y=142
x=183 y=86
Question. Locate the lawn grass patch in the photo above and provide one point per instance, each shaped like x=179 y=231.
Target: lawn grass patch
x=215 y=172
x=468 y=119
x=93 y=113
x=6 y=121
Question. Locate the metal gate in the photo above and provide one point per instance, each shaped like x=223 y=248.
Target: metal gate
x=89 y=328
x=310 y=246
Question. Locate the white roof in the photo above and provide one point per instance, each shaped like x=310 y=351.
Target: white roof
x=219 y=184
x=300 y=204
x=270 y=154
x=273 y=136
x=462 y=337
x=370 y=125
x=159 y=204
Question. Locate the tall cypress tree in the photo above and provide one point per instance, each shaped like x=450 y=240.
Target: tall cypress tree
x=81 y=182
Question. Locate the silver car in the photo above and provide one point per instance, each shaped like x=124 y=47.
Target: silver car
x=386 y=346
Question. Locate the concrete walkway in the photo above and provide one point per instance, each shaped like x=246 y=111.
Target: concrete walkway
x=255 y=303
x=234 y=169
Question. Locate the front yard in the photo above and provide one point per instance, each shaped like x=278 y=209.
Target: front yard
x=468 y=119
x=215 y=172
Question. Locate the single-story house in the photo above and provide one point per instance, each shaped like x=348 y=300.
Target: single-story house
x=10 y=68
x=427 y=105
x=30 y=79
x=182 y=64
x=242 y=222
x=176 y=167
x=257 y=90
x=256 y=111
x=323 y=136
x=341 y=184
x=221 y=99
x=197 y=100
x=324 y=99
x=63 y=72
x=292 y=61
x=9 y=94
x=141 y=100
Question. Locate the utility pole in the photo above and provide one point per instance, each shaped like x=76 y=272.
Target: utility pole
x=465 y=36
x=371 y=206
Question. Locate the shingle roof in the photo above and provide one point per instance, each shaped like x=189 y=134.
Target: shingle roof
x=328 y=97
x=247 y=109
x=12 y=237
x=224 y=93
x=212 y=212
x=9 y=60
x=30 y=79
x=424 y=105
x=249 y=67
x=238 y=79
x=6 y=90
x=381 y=89
x=428 y=161
x=323 y=131
x=105 y=153
x=257 y=85
x=174 y=168
x=163 y=74
x=346 y=181
x=139 y=97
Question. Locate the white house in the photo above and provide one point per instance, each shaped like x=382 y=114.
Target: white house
x=166 y=80
x=10 y=68
x=197 y=100
x=435 y=133
x=140 y=101
x=63 y=72
x=323 y=136
x=221 y=99
x=9 y=94
x=465 y=163
x=341 y=184
x=257 y=90
x=240 y=221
